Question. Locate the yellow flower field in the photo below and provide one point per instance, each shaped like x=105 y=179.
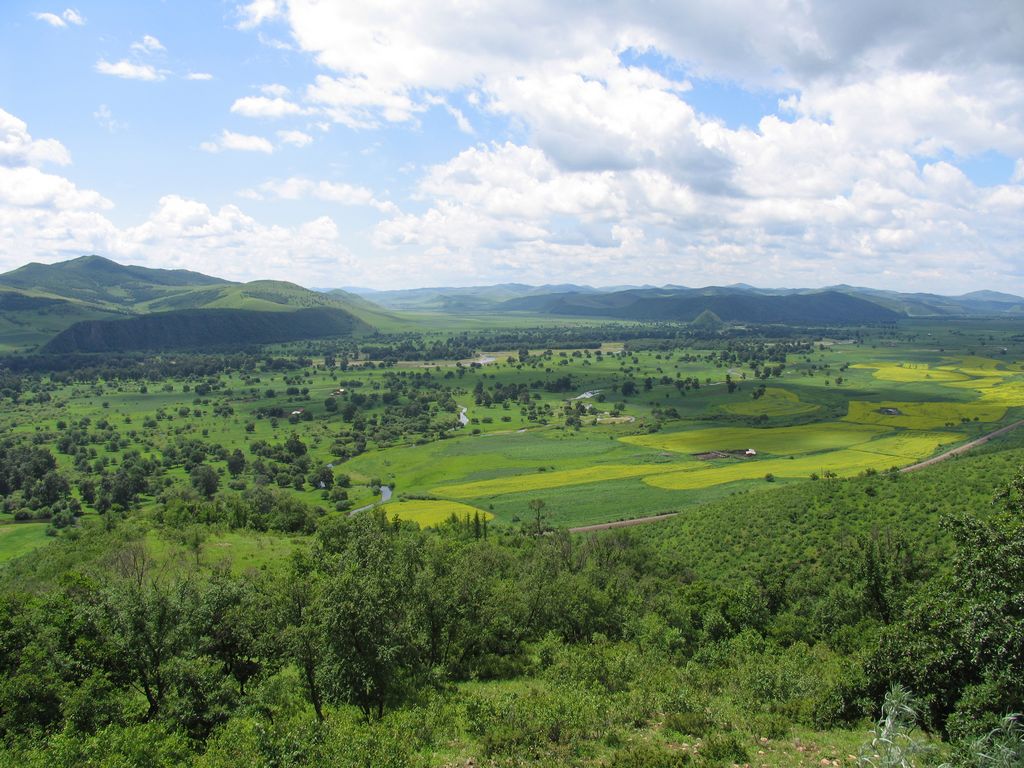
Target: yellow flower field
x=922 y=415
x=428 y=512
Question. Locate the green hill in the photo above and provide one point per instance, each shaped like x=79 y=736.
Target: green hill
x=203 y=328
x=97 y=280
x=39 y=301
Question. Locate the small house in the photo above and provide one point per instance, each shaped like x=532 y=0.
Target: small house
x=750 y=452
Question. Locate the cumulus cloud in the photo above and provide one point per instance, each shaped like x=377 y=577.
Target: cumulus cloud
x=238 y=141
x=294 y=138
x=296 y=188
x=199 y=76
x=148 y=44
x=17 y=147
x=256 y=12
x=128 y=70
x=857 y=174
x=262 y=106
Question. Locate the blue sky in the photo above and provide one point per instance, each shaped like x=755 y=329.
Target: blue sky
x=347 y=143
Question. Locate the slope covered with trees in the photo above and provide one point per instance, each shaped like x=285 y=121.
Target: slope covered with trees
x=197 y=328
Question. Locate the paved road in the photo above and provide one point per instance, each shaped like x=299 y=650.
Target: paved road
x=385 y=496
x=912 y=468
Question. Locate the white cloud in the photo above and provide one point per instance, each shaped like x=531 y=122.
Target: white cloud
x=238 y=141
x=29 y=187
x=275 y=90
x=1018 y=171
x=199 y=76
x=296 y=188
x=261 y=106
x=128 y=70
x=50 y=18
x=107 y=120
x=295 y=138
x=357 y=102
x=69 y=16
x=148 y=44
x=17 y=147
x=256 y=12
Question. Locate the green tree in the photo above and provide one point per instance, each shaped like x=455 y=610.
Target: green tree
x=204 y=479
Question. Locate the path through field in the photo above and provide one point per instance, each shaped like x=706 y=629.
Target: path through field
x=912 y=468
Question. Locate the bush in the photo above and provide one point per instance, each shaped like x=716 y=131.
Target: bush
x=723 y=749
x=647 y=755
x=695 y=724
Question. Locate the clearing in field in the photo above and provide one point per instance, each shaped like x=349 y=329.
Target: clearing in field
x=921 y=415
x=774 y=402
x=911 y=372
x=428 y=512
x=823 y=436
x=539 y=481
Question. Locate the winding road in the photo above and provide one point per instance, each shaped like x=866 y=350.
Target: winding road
x=912 y=468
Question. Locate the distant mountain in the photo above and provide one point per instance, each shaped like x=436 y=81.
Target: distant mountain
x=686 y=305
x=552 y=299
x=203 y=328
x=466 y=300
x=38 y=301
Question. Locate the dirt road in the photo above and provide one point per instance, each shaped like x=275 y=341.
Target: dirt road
x=962 y=448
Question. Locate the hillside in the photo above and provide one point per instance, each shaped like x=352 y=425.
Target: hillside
x=39 y=301
x=828 y=307
x=200 y=328
x=97 y=280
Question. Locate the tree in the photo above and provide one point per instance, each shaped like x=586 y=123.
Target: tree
x=204 y=480
x=236 y=463
x=537 y=507
x=372 y=633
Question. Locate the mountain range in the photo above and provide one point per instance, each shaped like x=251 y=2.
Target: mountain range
x=93 y=304
x=610 y=301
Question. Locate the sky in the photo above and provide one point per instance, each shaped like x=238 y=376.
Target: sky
x=391 y=144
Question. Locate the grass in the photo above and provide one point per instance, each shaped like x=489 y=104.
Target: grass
x=774 y=402
x=18 y=538
x=243 y=550
x=430 y=512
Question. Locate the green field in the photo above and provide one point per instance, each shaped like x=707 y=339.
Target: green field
x=18 y=538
